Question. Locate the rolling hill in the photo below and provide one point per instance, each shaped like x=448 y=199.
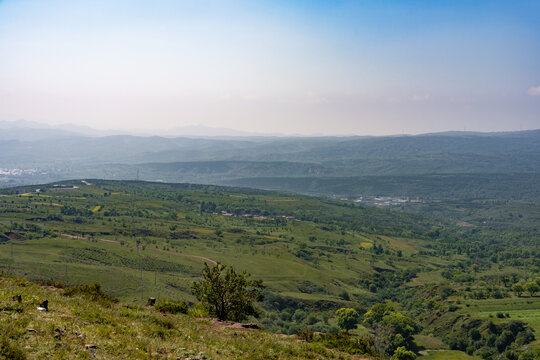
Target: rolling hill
x=445 y=262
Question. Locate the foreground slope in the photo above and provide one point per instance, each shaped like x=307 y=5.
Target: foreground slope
x=82 y=327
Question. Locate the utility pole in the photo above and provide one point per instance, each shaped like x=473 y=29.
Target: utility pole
x=12 y=262
x=137 y=241
x=66 y=260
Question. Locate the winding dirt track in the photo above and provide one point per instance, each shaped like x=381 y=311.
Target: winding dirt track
x=202 y=258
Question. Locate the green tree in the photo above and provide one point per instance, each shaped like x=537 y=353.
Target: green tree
x=532 y=288
x=518 y=289
x=402 y=353
x=299 y=315
x=401 y=324
x=475 y=334
x=505 y=339
x=530 y=355
x=226 y=294
x=391 y=328
x=347 y=318
x=377 y=312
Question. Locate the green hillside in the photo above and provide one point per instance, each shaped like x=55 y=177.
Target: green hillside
x=429 y=186
x=300 y=246
x=449 y=265
x=86 y=327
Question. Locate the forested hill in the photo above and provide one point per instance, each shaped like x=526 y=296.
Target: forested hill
x=435 y=186
x=218 y=160
x=133 y=149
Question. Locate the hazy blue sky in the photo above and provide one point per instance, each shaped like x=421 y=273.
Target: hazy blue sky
x=328 y=67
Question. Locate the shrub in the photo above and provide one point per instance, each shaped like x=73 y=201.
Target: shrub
x=165 y=323
x=402 y=353
x=312 y=319
x=226 y=294
x=305 y=334
x=93 y=292
x=299 y=315
x=171 y=307
x=198 y=310
x=530 y=355
x=345 y=295
x=474 y=334
x=505 y=339
x=351 y=345
x=525 y=337
x=11 y=350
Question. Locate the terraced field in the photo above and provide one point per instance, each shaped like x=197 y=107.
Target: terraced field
x=515 y=308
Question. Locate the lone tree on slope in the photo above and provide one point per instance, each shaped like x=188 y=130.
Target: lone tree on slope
x=532 y=288
x=347 y=318
x=227 y=294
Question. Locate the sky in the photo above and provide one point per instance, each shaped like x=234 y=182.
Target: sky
x=290 y=67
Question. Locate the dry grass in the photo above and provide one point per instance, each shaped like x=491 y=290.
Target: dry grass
x=77 y=327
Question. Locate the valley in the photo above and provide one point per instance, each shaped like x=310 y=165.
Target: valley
x=314 y=255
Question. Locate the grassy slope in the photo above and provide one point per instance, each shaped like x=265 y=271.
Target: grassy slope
x=524 y=308
x=126 y=332
x=447 y=355
x=264 y=248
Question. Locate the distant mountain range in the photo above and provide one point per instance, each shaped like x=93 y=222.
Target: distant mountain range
x=37 y=149
x=258 y=161
x=29 y=131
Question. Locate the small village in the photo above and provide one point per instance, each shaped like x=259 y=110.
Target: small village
x=17 y=172
x=256 y=217
x=380 y=201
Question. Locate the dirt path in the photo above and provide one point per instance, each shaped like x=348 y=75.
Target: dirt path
x=202 y=258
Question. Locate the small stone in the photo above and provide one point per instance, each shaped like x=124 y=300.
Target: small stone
x=91 y=346
x=151 y=301
x=44 y=306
